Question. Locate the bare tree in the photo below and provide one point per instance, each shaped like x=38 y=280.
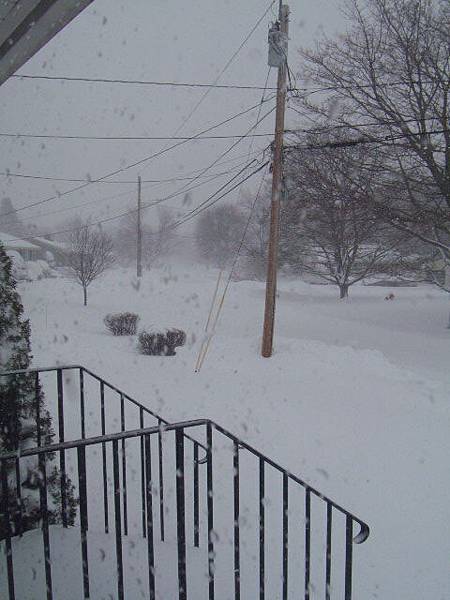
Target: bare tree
x=160 y=240
x=330 y=230
x=388 y=76
x=90 y=255
x=156 y=241
x=256 y=240
x=218 y=233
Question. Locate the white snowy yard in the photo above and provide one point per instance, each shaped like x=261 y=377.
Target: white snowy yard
x=356 y=399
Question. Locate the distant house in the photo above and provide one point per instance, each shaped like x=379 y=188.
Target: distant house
x=51 y=250
x=26 y=249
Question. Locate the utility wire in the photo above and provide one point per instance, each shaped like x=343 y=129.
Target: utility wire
x=326 y=128
x=174 y=226
x=227 y=65
x=213 y=85
x=157 y=182
x=45 y=136
x=204 y=205
x=135 y=164
x=205 y=346
x=142 y=82
x=358 y=141
x=127 y=193
x=259 y=120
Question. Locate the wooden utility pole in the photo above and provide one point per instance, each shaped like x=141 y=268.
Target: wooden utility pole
x=139 y=233
x=277 y=178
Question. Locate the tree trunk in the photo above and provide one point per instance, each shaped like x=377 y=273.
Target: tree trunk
x=343 y=291
x=85 y=295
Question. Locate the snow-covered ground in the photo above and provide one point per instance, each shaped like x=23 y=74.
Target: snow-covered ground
x=355 y=399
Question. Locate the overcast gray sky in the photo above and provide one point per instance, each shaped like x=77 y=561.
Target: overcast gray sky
x=170 y=40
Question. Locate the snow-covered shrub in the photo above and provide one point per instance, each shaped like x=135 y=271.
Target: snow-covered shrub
x=161 y=342
x=122 y=323
x=39 y=269
x=19 y=266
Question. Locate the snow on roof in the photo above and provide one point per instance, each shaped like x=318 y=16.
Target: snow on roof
x=51 y=243
x=11 y=241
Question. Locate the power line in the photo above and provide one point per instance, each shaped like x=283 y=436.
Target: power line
x=259 y=120
x=142 y=82
x=135 y=164
x=121 y=182
x=336 y=88
x=326 y=128
x=213 y=85
x=358 y=141
x=206 y=344
x=226 y=66
x=204 y=205
x=127 y=193
x=109 y=219
x=40 y=136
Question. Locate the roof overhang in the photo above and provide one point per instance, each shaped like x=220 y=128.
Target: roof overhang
x=27 y=25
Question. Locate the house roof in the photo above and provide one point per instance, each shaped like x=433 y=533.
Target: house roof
x=26 y=26
x=13 y=243
x=50 y=244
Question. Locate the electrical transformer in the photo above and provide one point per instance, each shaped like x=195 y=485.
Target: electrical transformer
x=278 y=46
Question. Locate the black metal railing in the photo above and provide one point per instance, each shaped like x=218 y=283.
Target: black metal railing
x=228 y=516
x=94 y=406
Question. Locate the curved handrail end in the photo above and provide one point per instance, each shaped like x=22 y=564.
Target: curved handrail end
x=364 y=533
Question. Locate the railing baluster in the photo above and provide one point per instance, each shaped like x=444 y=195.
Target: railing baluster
x=149 y=497
x=19 y=503
x=328 y=552
x=262 y=530
x=45 y=532
x=143 y=485
x=348 y=557
x=118 y=523
x=62 y=454
x=104 y=465
x=210 y=510
x=181 y=514
x=82 y=414
x=7 y=530
x=82 y=486
x=161 y=480
x=237 y=560
x=196 y=499
x=285 y=535
x=37 y=400
x=124 y=468
x=307 y=542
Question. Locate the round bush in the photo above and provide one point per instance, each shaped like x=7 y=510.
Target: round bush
x=162 y=342
x=122 y=323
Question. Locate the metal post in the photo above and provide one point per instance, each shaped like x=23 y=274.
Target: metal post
x=62 y=454
x=272 y=259
x=81 y=451
x=118 y=521
x=181 y=514
x=237 y=557
x=348 y=557
x=149 y=498
x=307 y=543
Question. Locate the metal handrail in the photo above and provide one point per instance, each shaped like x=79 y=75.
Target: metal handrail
x=358 y=539
x=105 y=383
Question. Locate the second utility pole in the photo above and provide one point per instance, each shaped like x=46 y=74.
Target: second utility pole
x=277 y=178
x=139 y=234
